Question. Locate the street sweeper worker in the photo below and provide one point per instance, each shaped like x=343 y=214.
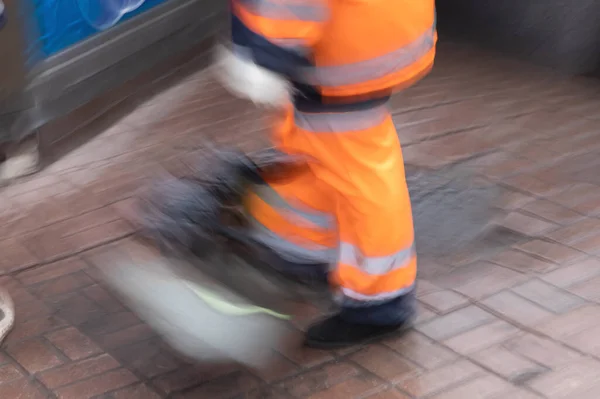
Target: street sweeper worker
x=330 y=66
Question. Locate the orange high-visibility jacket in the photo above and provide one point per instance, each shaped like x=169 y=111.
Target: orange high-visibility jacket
x=341 y=48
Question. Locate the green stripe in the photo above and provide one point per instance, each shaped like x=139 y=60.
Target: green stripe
x=222 y=306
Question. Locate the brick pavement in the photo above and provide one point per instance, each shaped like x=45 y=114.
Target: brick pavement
x=522 y=322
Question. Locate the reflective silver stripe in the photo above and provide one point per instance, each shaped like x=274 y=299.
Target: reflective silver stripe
x=286 y=10
x=341 y=122
x=375 y=68
x=271 y=197
x=380 y=265
x=352 y=298
x=288 y=250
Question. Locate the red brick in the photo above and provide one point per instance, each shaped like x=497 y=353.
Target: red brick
x=576 y=231
x=483 y=387
x=73 y=343
x=35 y=355
x=587 y=289
x=97 y=385
x=191 y=376
x=353 y=388
x=569 y=380
x=421 y=350
x=567 y=276
x=481 y=337
x=589 y=245
x=521 y=261
x=552 y=212
x=552 y=252
x=525 y=224
x=34 y=327
x=77 y=309
x=103 y=298
x=73 y=372
x=62 y=285
x=139 y=391
x=548 y=297
x=532 y=185
x=148 y=358
x=440 y=379
x=8 y=373
x=516 y=308
x=542 y=350
x=227 y=386
x=21 y=389
x=319 y=379
x=277 y=369
x=479 y=279
x=389 y=394
x=384 y=363
x=455 y=323
x=444 y=301
x=51 y=271
x=109 y=323
x=126 y=336
x=15 y=256
x=508 y=364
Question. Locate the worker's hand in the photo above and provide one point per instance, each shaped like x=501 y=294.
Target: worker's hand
x=243 y=78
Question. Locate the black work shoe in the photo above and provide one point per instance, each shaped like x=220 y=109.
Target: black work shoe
x=337 y=333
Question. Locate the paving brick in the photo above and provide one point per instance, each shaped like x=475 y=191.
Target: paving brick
x=126 y=336
x=22 y=389
x=139 y=391
x=455 y=323
x=552 y=252
x=35 y=355
x=517 y=308
x=34 y=327
x=51 y=271
x=439 y=380
x=587 y=289
x=62 y=285
x=148 y=358
x=486 y=387
x=481 y=337
x=351 y=388
x=542 y=350
x=560 y=327
x=76 y=371
x=521 y=261
x=526 y=224
x=77 y=309
x=73 y=343
x=589 y=245
x=277 y=369
x=444 y=301
x=553 y=212
x=97 y=385
x=507 y=364
x=15 y=256
x=384 y=363
x=190 y=376
x=576 y=231
x=567 y=276
x=421 y=350
x=479 y=280
x=226 y=386
x=319 y=379
x=103 y=298
x=569 y=380
x=548 y=297
x=8 y=373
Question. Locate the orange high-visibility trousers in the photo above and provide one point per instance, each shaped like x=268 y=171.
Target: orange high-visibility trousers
x=349 y=207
